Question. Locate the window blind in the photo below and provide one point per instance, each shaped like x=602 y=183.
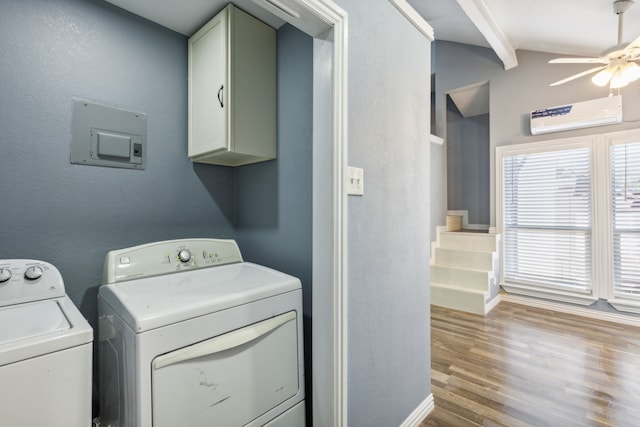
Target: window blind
x=547 y=219
x=625 y=180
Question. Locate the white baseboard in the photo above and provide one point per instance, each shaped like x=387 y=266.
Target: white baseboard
x=572 y=309
x=420 y=413
x=490 y=306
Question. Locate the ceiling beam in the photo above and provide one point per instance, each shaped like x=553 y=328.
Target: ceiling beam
x=483 y=19
x=414 y=17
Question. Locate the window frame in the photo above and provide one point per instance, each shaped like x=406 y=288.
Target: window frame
x=548 y=220
x=618 y=301
x=537 y=148
x=602 y=222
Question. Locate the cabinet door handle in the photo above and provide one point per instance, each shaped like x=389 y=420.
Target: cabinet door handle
x=220 y=95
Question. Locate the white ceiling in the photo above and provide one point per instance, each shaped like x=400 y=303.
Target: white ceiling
x=187 y=16
x=564 y=27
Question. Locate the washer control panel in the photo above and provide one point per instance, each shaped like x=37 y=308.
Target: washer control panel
x=27 y=280
x=169 y=256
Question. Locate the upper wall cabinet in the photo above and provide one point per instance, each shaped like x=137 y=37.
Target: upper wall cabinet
x=232 y=90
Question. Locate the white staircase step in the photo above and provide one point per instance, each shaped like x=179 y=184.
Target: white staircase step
x=475 y=260
x=462 y=277
x=458 y=298
x=487 y=242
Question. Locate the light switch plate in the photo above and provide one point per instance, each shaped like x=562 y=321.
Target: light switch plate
x=355 y=181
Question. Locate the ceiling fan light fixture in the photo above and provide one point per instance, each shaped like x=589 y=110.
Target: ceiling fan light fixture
x=618 y=80
x=619 y=68
x=630 y=71
x=603 y=77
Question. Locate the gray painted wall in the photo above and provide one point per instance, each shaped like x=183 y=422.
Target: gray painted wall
x=514 y=93
x=468 y=164
x=72 y=215
x=388 y=227
x=274 y=198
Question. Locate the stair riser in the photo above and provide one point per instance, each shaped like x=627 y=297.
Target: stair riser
x=479 y=280
x=457 y=299
x=479 y=242
x=464 y=259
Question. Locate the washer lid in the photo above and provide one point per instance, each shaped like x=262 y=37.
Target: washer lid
x=153 y=302
x=38 y=328
x=31 y=320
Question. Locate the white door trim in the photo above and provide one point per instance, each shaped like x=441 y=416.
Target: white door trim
x=330 y=286
x=327 y=23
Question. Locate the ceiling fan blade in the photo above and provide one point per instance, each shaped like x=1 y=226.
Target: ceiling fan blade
x=579 y=61
x=633 y=44
x=577 y=76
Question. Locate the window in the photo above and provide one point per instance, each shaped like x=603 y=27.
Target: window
x=569 y=212
x=625 y=195
x=547 y=219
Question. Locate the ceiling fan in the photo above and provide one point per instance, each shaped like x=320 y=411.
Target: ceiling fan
x=619 y=67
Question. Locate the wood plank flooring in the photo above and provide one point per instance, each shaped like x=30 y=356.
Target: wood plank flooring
x=525 y=366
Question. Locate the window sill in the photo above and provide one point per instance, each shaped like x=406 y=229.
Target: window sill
x=629 y=306
x=549 y=294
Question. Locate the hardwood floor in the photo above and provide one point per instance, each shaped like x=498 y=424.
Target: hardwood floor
x=525 y=366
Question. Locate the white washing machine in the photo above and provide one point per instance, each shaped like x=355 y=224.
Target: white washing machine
x=45 y=349
x=192 y=336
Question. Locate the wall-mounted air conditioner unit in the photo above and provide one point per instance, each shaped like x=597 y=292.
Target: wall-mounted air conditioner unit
x=597 y=112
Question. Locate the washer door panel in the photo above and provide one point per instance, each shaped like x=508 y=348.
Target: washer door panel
x=228 y=380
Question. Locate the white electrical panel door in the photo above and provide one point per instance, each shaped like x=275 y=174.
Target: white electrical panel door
x=228 y=380
x=208 y=88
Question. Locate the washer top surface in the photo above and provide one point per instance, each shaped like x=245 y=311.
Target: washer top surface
x=36 y=316
x=186 y=289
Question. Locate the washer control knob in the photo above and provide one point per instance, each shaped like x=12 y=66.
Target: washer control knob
x=33 y=273
x=5 y=274
x=184 y=255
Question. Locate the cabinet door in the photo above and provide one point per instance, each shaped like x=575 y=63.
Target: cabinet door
x=208 y=88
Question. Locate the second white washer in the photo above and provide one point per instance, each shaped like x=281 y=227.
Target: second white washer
x=46 y=348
